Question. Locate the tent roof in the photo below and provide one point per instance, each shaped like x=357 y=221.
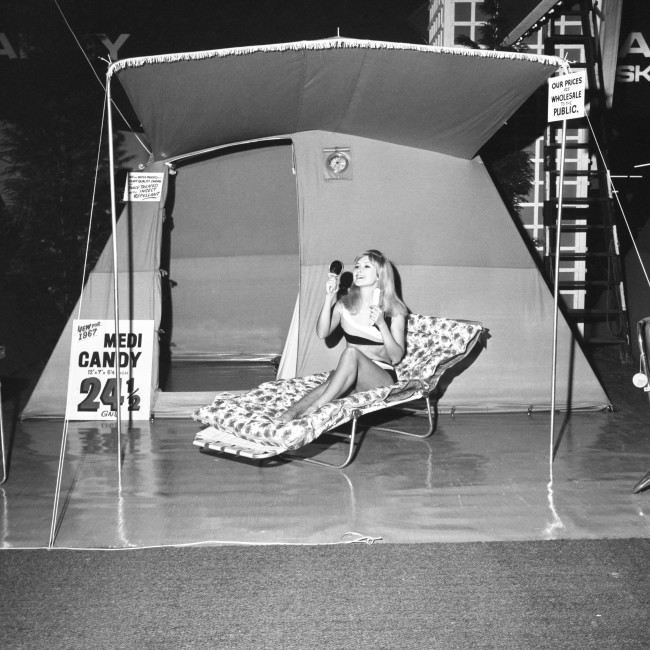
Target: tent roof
x=449 y=100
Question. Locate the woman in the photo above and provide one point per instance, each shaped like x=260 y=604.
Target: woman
x=373 y=320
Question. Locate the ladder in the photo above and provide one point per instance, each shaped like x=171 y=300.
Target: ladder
x=591 y=279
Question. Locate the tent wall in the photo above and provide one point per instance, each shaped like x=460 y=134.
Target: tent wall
x=139 y=230
x=235 y=238
x=234 y=253
x=458 y=254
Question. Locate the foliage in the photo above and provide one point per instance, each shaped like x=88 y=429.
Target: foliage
x=49 y=194
x=49 y=145
x=514 y=173
x=52 y=110
x=493 y=31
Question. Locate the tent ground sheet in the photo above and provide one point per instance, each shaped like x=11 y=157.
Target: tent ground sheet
x=480 y=477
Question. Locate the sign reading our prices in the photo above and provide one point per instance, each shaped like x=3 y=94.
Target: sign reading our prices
x=92 y=380
x=566 y=96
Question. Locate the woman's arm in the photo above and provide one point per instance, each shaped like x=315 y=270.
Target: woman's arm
x=330 y=316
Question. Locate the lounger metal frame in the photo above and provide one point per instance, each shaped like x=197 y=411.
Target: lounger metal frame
x=351 y=437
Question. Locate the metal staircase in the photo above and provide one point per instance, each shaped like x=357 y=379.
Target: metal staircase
x=591 y=270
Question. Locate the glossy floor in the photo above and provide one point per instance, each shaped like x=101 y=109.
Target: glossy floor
x=478 y=478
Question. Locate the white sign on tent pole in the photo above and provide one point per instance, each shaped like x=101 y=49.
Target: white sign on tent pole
x=566 y=101
x=566 y=96
x=143 y=186
x=92 y=383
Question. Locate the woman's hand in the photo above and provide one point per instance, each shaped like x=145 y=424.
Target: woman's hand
x=329 y=317
x=376 y=315
x=332 y=286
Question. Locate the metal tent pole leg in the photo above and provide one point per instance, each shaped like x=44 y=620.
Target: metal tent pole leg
x=57 y=490
x=116 y=297
x=556 y=286
x=643 y=484
x=2 y=441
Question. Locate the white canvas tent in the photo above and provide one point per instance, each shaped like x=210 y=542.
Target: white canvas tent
x=257 y=215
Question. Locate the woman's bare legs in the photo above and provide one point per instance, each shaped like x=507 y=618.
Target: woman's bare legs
x=355 y=371
x=298 y=408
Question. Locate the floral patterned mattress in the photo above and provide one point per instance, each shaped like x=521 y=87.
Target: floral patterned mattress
x=246 y=423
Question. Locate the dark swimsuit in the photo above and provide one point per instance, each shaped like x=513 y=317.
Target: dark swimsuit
x=360 y=340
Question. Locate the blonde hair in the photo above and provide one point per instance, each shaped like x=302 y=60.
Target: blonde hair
x=391 y=304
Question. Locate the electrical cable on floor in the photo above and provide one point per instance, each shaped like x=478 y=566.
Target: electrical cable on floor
x=557 y=522
x=360 y=538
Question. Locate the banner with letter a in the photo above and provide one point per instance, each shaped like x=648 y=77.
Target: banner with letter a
x=92 y=381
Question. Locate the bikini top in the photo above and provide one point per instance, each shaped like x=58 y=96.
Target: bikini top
x=359 y=334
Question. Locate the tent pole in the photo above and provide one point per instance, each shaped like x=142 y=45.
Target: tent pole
x=556 y=290
x=2 y=441
x=57 y=489
x=118 y=379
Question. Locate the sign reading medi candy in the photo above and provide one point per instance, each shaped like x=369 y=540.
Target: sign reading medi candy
x=566 y=96
x=92 y=382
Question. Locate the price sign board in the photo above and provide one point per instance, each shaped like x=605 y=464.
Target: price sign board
x=92 y=380
x=566 y=96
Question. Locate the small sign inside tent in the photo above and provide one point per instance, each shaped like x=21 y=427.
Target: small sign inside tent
x=143 y=186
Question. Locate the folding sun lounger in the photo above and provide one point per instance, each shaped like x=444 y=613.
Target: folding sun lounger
x=245 y=424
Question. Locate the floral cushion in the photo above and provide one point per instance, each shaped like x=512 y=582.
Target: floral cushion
x=433 y=342
x=432 y=345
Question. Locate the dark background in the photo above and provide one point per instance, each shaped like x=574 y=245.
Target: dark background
x=51 y=107
x=52 y=67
